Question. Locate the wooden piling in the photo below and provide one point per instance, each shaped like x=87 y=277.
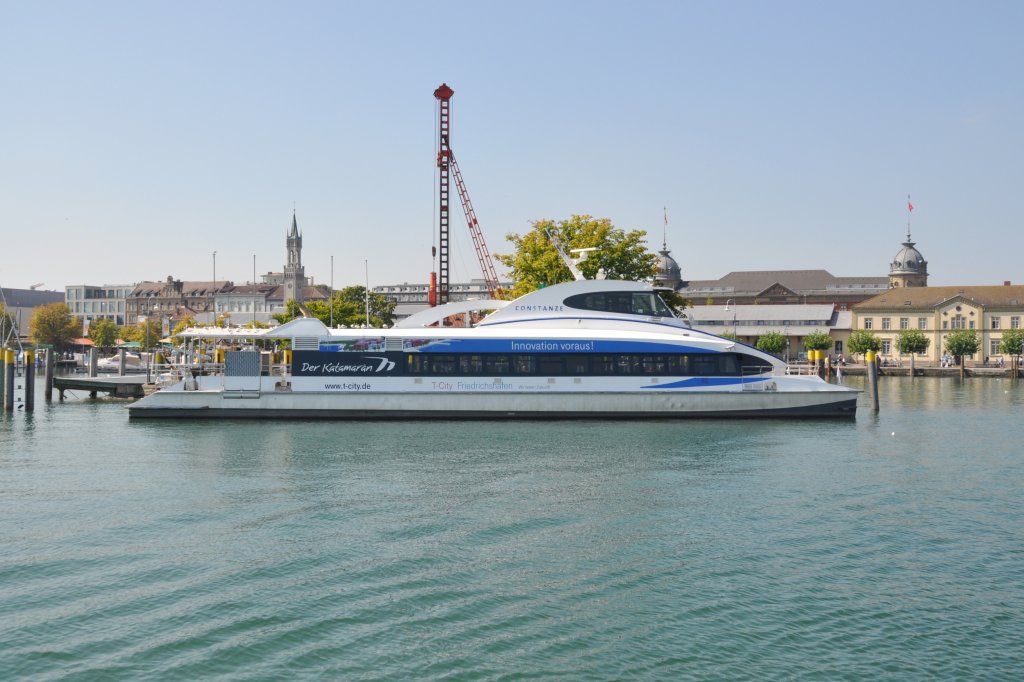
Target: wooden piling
x=48 y=390
x=9 y=358
x=93 y=362
x=30 y=380
x=872 y=379
x=121 y=362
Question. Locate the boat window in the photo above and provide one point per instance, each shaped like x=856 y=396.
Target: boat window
x=653 y=364
x=550 y=365
x=705 y=365
x=630 y=302
x=727 y=364
x=442 y=364
x=602 y=364
x=586 y=364
x=418 y=363
x=471 y=364
x=577 y=365
x=750 y=364
x=523 y=364
x=496 y=364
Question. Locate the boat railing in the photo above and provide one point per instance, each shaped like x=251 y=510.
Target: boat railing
x=755 y=378
x=800 y=369
x=170 y=372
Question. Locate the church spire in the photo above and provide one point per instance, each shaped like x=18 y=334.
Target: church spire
x=294 y=273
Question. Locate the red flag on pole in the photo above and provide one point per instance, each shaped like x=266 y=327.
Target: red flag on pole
x=910 y=206
x=665 y=209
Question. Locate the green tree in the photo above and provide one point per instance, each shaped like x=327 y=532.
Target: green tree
x=772 y=342
x=104 y=333
x=53 y=324
x=862 y=341
x=184 y=324
x=291 y=311
x=349 y=309
x=818 y=341
x=729 y=335
x=147 y=333
x=536 y=262
x=677 y=302
x=128 y=333
x=960 y=343
x=912 y=341
x=1012 y=344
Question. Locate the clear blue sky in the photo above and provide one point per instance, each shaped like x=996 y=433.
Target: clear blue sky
x=140 y=137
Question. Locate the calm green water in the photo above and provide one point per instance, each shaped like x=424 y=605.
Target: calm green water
x=890 y=547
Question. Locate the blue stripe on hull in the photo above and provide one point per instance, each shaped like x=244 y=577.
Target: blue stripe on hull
x=696 y=382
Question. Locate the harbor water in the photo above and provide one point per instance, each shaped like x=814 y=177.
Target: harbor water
x=889 y=546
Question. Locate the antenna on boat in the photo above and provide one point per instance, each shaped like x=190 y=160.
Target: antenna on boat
x=571 y=263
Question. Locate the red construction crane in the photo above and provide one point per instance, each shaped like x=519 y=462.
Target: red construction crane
x=448 y=167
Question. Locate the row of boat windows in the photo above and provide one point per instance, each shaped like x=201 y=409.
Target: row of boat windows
x=584 y=364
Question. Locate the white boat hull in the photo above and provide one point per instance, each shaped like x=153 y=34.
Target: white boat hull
x=219 y=404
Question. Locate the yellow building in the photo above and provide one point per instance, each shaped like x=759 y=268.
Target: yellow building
x=936 y=311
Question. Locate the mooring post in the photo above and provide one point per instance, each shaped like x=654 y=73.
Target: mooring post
x=30 y=380
x=48 y=391
x=873 y=379
x=121 y=362
x=3 y=376
x=9 y=358
x=93 y=362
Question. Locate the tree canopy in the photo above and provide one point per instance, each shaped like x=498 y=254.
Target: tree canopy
x=147 y=333
x=536 y=262
x=912 y=341
x=771 y=342
x=54 y=325
x=818 y=341
x=861 y=341
x=962 y=342
x=1012 y=342
x=349 y=307
x=104 y=333
x=184 y=324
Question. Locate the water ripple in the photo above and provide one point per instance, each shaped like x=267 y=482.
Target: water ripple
x=577 y=551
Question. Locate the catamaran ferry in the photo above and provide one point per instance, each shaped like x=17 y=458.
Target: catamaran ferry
x=583 y=349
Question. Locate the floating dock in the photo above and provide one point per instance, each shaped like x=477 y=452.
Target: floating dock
x=119 y=387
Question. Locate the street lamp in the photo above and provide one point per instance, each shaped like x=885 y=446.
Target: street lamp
x=145 y=321
x=149 y=361
x=733 y=314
